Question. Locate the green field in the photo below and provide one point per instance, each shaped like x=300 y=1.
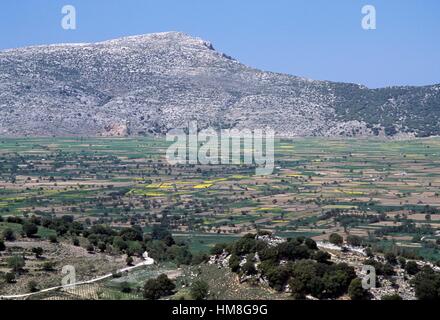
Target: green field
x=348 y=186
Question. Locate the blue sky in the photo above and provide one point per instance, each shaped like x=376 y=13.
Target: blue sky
x=319 y=39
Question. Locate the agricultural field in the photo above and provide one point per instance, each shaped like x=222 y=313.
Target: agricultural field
x=386 y=192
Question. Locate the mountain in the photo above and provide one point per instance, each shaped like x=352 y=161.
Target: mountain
x=149 y=84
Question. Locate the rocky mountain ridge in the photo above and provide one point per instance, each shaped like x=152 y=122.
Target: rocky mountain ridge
x=149 y=84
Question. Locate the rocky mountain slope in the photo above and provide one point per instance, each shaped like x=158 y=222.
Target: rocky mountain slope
x=151 y=83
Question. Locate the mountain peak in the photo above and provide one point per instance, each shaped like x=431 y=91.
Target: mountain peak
x=148 y=84
x=170 y=36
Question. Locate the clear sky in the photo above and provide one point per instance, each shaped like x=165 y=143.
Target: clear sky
x=318 y=39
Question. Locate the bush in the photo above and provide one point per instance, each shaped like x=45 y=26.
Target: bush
x=249 y=268
x=120 y=244
x=102 y=246
x=355 y=241
x=8 y=235
x=125 y=287
x=48 y=266
x=75 y=242
x=199 y=290
x=180 y=254
x=199 y=259
x=2 y=246
x=234 y=263
x=32 y=286
x=337 y=279
x=412 y=268
x=311 y=244
x=278 y=277
x=336 y=239
x=381 y=269
x=427 y=284
x=9 y=277
x=156 y=288
x=38 y=251
x=391 y=258
x=245 y=245
x=293 y=250
x=388 y=269
x=16 y=263
x=30 y=229
x=322 y=256
x=218 y=248
x=402 y=262
x=356 y=291
x=322 y=281
x=298 y=289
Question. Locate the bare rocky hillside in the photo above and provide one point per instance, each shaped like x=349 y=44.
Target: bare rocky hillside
x=149 y=84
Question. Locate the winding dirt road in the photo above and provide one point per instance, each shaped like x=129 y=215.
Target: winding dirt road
x=147 y=262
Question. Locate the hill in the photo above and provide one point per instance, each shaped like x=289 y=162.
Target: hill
x=149 y=84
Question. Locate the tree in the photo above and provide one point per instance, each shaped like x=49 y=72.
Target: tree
x=402 y=261
x=125 y=287
x=132 y=234
x=156 y=288
x=75 y=242
x=336 y=280
x=427 y=284
x=391 y=258
x=10 y=277
x=412 y=268
x=30 y=229
x=120 y=244
x=278 y=277
x=161 y=232
x=245 y=245
x=135 y=248
x=298 y=289
x=293 y=250
x=32 y=286
x=249 y=268
x=322 y=256
x=2 y=246
x=388 y=269
x=53 y=238
x=234 y=263
x=48 y=266
x=199 y=258
x=129 y=261
x=336 y=239
x=199 y=290
x=38 y=251
x=16 y=263
x=102 y=246
x=218 y=248
x=354 y=240
x=311 y=244
x=369 y=253
x=8 y=235
x=356 y=291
